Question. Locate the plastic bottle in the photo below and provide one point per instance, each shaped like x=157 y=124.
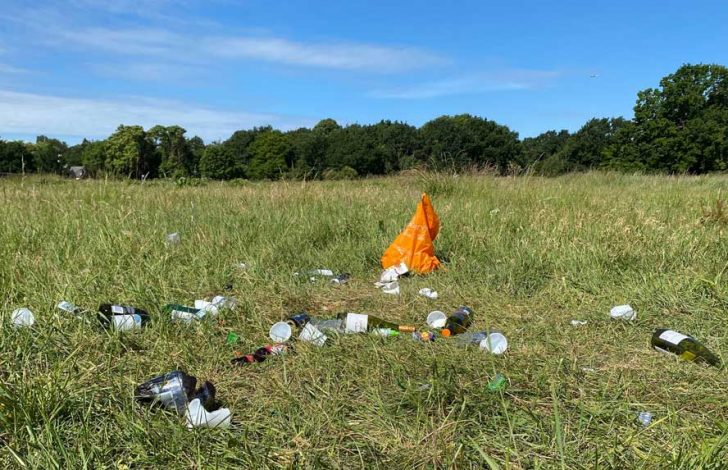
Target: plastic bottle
x=175 y=390
x=183 y=313
x=458 y=322
x=685 y=347
x=333 y=325
x=122 y=317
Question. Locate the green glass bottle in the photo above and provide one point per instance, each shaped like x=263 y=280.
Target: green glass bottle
x=685 y=347
x=358 y=322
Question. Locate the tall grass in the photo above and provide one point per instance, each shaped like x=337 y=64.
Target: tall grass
x=528 y=254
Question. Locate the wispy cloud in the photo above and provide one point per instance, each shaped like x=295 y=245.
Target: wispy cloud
x=146 y=71
x=502 y=80
x=7 y=69
x=27 y=113
x=333 y=55
x=203 y=48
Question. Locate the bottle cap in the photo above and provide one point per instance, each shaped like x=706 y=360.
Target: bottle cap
x=445 y=333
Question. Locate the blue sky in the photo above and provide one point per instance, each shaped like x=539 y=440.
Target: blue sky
x=79 y=68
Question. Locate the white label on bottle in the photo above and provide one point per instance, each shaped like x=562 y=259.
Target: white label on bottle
x=356 y=323
x=185 y=317
x=117 y=309
x=127 y=322
x=672 y=337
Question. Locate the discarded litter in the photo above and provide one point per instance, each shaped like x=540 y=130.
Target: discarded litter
x=261 y=354
x=458 y=322
x=198 y=417
x=313 y=274
x=414 y=246
x=498 y=383
x=207 y=307
x=341 y=278
x=391 y=288
x=175 y=390
x=645 y=417
x=495 y=342
x=429 y=293
x=241 y=266
x=424 y=336
x=391 y=274
x=623 y=312
x=184 y=314
x=311 y=334
x=173 y=238
x=436 y=319
x=122 y=317
x=68 y=307
x=22 y=317
x=223 y=302
x=282 y=331
x=360 y=323
x=232 y=338
x=684 y=346
x=578 y=322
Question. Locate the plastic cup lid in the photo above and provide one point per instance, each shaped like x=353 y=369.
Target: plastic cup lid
x=280 y=332
x=436 y=319
x=495 y=343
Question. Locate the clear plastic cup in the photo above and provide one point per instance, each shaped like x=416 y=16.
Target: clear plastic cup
x=280 y=332
x=436 y=319
x=495 y=343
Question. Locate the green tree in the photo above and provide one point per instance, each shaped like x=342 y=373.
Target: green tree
x=48 y=154
x=197 y=150
x=536 y=150
x=239 y=147
x=93 y=157
x=463 y=141
x=15 y=157
x=175 y=155
x=130 y=151
x=271 y=155
x=218 y=162
x=682 y=126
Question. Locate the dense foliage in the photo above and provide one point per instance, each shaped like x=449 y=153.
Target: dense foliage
x=680 y=127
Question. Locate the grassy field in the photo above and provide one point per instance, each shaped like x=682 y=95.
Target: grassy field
x=527 y=254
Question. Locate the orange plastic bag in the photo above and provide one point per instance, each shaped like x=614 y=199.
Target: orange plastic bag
x=414 y=245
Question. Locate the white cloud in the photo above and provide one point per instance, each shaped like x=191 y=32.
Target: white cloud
x=26 y=113
x=199 y=49
x=503 y=80
x=346 y=56
x=6 y=69
x=146 y=71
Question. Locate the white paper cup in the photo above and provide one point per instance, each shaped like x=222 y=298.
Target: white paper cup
x=436 y=319
x=22 y=317
x=280 y=332
x=495 y=343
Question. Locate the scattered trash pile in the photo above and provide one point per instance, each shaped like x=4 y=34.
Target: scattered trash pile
x=411 y=251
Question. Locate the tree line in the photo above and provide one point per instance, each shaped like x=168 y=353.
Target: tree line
x=679 y=127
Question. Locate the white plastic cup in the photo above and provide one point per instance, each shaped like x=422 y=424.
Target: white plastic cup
x=311 y=334
x=198 y=417
x=436 y=319
x=173 y=238
x=22 y=317
x=623 y=312
x=280 y=332
x=495 y=343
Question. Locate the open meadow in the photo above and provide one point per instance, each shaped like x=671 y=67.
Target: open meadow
x=528 y=254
